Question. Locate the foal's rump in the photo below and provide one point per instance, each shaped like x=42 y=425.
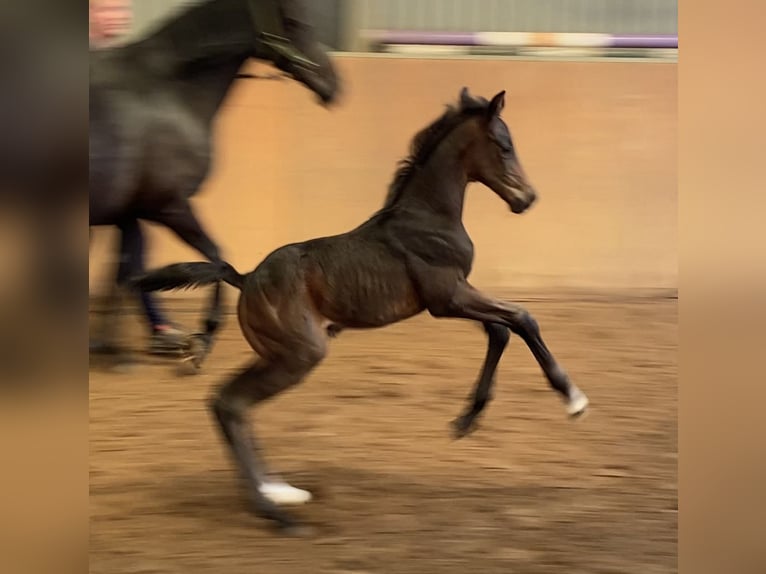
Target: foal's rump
x=277 y=313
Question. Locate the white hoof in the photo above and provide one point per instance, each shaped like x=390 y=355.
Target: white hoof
x=283 y=493
x=577 y=403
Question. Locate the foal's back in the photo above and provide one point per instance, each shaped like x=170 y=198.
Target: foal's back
x=356 y=279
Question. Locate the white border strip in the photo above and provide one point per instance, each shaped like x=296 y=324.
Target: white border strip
x=539 y=39
x=428 y=50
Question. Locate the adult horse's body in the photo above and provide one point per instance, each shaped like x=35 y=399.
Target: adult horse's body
x=152 y=107
x=411 y=256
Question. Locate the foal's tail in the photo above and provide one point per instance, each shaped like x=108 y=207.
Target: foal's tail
x=188 y=275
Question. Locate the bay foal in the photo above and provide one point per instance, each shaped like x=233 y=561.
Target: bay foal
x=412 y=255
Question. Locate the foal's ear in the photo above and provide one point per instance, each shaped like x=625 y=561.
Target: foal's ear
x=465 y=98
x=496 y=105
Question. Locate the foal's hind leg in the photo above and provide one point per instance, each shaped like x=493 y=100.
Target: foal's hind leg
x=498 y=337
x=468 y=303
x=229 y=406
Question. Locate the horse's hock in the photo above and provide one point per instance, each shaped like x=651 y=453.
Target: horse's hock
x=597 y=139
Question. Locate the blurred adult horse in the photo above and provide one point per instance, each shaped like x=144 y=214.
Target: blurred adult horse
x=152 y=106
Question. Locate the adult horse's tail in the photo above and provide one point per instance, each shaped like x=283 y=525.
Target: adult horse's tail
x=189 y=275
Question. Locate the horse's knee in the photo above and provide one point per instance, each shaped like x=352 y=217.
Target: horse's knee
x=498 y=333
x=224 y=405
x=308 y=356
x=524 y=323
x=232 y=402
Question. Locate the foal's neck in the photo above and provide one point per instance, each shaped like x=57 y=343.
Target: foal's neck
x=439 y=184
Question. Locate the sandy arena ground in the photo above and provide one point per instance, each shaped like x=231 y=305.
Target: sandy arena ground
x=529 y=492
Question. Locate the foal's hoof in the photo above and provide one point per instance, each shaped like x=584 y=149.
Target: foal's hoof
x=188 y=366
x=463 y=426
x=577 y=403
x=284 y=494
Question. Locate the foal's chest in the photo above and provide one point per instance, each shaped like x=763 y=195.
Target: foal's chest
x=443 y=248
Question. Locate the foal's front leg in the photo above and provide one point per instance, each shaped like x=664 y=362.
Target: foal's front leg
x=498 y=337
x=468 y=303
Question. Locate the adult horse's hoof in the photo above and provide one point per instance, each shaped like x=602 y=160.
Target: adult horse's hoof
x=170 y=341
x=188 y=366
x=197 y=347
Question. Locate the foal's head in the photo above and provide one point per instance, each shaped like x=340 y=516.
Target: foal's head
x=490 y=158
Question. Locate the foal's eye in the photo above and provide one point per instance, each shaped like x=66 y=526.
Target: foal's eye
x=506 y=148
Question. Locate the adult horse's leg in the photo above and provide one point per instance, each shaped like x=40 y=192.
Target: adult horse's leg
x=164 y=337
x=201 y=343
x=106 y=342
x=179 y=218
x=129 y=264
x=469 y=303
x=498 y=337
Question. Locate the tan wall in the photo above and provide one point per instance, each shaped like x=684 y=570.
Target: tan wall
x=598 y=139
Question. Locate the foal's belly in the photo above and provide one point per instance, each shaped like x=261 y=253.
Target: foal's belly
x=376 y=307
x=361 y=287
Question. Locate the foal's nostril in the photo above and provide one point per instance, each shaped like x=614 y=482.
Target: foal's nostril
x=518 y=205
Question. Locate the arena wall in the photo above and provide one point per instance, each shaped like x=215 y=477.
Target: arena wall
x=598 y=139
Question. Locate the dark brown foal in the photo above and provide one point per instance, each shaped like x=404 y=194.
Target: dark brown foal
x=412 y=255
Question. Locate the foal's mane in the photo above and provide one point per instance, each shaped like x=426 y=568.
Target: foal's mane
x=427 y=139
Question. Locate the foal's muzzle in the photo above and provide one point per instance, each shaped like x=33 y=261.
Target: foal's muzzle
x=520 y=200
